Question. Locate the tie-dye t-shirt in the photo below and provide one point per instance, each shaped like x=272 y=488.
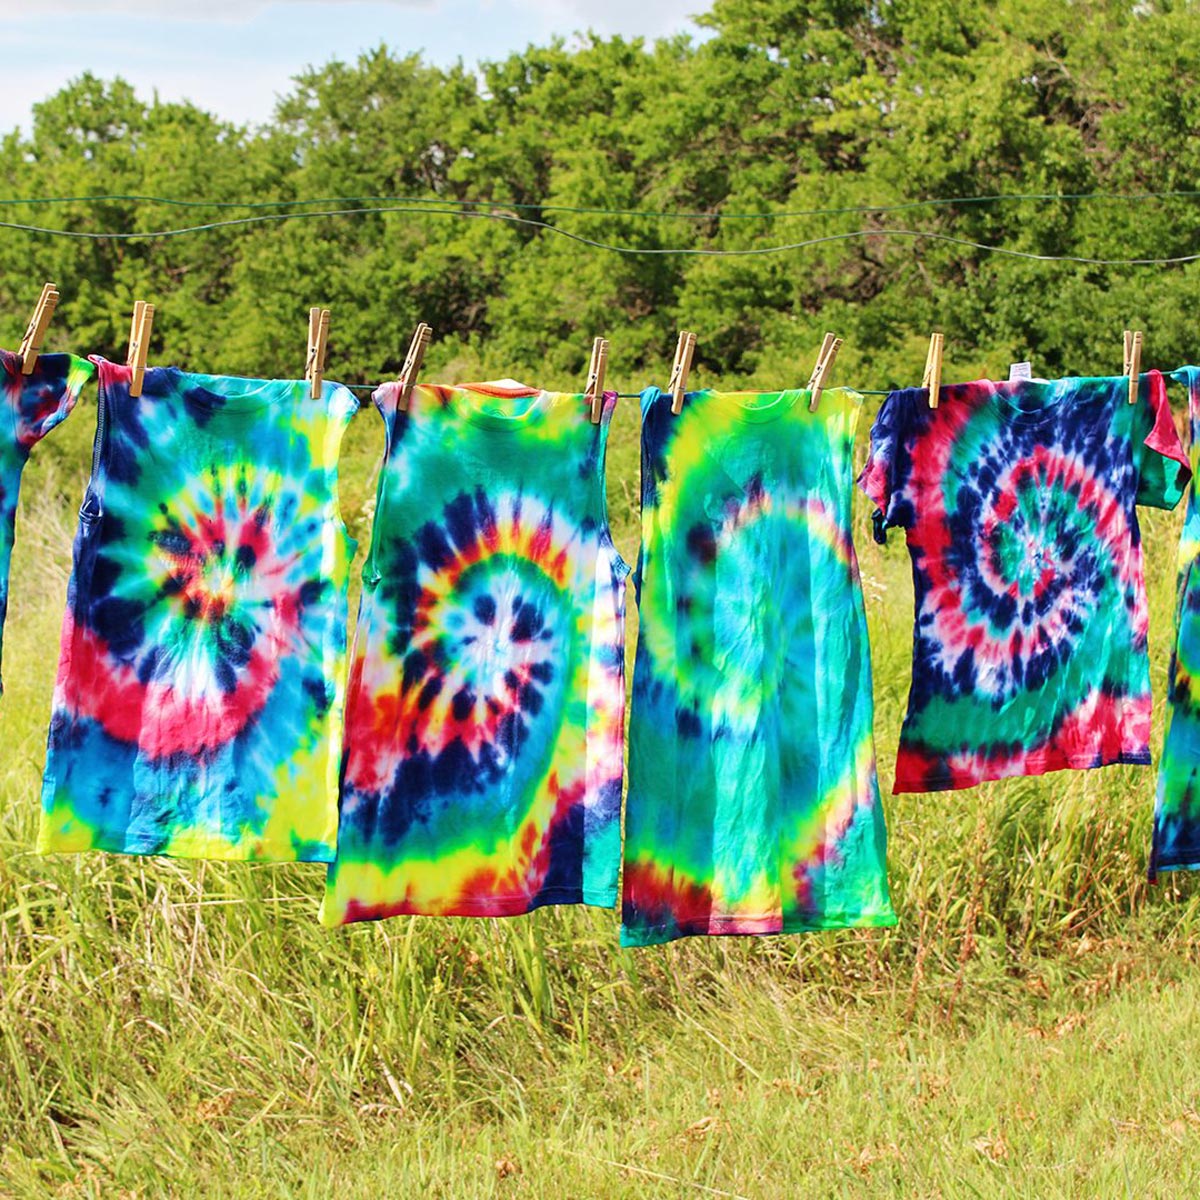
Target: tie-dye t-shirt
x=753 y=804
x=1176 y=841
x=198 y=707
x=33 y=405
x=484 y=728
x=1017 y=500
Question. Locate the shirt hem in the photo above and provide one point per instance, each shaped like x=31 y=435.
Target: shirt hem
x=656 y=935
x=114 y=844
x=514 y=906
x=1043 y=765
x=1188 y=861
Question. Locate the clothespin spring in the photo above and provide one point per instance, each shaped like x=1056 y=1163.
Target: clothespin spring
x=830 y=346
x=35 y=334
x=933 y=368
x=421 y=338
x=684 y=350
x=318 y=341
x=594 y=388
x=1133 y=361
x=139 y=344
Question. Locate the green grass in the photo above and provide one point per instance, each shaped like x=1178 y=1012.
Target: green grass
x=188 y=1029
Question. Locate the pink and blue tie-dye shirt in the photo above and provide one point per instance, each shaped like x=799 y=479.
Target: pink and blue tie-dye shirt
x=1018 y=501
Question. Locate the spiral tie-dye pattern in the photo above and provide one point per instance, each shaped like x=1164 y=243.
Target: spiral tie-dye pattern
x=753 y=802
x=198 y=705
x=1018 y=504
x=484 y=743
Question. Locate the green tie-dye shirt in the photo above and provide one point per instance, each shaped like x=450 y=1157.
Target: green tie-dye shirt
x=753 y=805
x=485 y=717
x=1176 y=838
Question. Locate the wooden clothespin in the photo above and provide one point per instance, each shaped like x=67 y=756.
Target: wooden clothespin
x=684 y=350
x=1133 y=361
x=933 y=368
x=816 y=381
x=594 y=388
x=318 y=339
x=421 y=338
x=139 y=344
x=35 y=334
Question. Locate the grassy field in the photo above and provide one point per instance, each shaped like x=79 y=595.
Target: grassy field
x=173 y=1028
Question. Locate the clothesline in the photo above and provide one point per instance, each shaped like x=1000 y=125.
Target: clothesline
x=368 y=388
x=541 y=206
x=608 y=247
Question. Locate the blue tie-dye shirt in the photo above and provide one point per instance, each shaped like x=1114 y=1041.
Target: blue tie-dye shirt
x=33 y=405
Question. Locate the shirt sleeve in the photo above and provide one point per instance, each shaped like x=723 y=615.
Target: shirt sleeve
x=1163 y=467
x=880 y=478
x=386 y=399
x=46 y=396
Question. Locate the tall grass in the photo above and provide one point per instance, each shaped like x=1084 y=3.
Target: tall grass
x=185 y=1028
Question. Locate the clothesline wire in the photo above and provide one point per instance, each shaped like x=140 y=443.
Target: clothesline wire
x=902 y=206
x=467 y=208
x=743 y=252
x=370 y=387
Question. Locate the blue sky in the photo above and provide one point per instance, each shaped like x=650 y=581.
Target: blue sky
x=233 y=57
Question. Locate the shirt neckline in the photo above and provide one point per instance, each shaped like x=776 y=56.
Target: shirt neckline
x=1006 y=396
x=208 y=391
x=781 y=402
x=540 y=404
x=243 y=395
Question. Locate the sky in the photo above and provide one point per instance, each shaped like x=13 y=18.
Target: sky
x=234 y=57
